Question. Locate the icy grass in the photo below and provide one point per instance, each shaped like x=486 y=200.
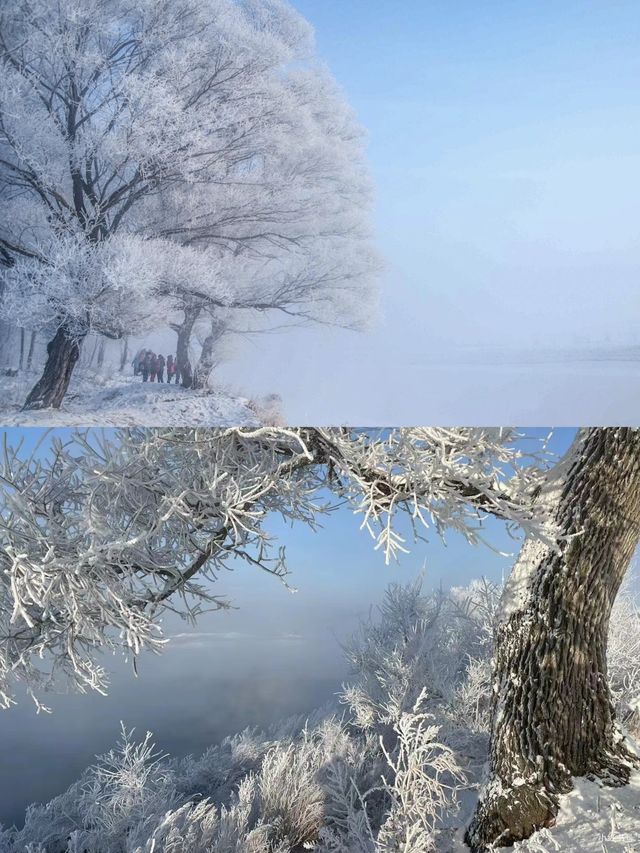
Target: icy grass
x=394 y=769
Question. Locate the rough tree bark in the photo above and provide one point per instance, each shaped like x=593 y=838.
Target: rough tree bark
x=206 y=362
x=552 y=714
x=94 y=351
x=184 y=332
x=63 y=351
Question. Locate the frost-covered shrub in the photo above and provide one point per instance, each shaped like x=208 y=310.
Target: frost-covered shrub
x=418 y=672
x=351 y=818
x=434 y=642
x=113 y=806
x=421 y=786
x=203 y=827
x=291 y=798
x=623 y=658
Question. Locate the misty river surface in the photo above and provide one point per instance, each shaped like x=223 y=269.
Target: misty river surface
x=386 y=379
x=204 y=687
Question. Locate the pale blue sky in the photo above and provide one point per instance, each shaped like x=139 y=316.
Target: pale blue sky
x=504 y=139
x=504 y=142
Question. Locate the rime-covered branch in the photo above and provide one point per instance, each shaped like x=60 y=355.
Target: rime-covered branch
x=100 y=535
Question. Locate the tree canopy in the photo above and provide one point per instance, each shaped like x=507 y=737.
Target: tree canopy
x=160 y=155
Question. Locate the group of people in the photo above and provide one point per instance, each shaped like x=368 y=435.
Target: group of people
x=151 y=366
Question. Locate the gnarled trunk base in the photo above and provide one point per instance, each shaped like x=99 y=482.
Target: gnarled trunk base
x=507 y=813
x=63 y=351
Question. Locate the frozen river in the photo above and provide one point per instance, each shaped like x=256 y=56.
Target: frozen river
x=450 y=386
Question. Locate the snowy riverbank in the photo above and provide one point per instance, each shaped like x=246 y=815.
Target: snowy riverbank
x=121 y=400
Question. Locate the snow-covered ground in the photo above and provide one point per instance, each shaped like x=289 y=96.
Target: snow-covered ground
x=123 y=400
x=593 y=819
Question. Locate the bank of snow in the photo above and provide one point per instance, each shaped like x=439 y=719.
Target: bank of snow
x=121 y=400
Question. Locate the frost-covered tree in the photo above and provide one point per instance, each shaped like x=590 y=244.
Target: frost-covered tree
x=160 y=158
x=99 y=538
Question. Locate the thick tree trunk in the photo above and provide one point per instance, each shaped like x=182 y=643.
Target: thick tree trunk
x=101 y=350
x=94 y=351
x=552 y=715
x=7 y=332
x=184 y=331
x=32 y=346
x=63 y=352
x=206 y=362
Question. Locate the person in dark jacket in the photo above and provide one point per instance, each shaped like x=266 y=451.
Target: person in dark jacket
x=171 y=369
x=138 y=361
x=149 y=372
x=160 y=368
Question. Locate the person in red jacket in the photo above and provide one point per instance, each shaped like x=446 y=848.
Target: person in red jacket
x=160 y=368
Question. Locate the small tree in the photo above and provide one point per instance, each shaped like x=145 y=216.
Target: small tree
x=145 y=144
x=217 y=328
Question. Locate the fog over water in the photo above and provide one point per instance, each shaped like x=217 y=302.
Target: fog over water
x=504 y=143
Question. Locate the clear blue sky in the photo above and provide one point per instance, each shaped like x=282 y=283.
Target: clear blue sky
x=504 y=142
